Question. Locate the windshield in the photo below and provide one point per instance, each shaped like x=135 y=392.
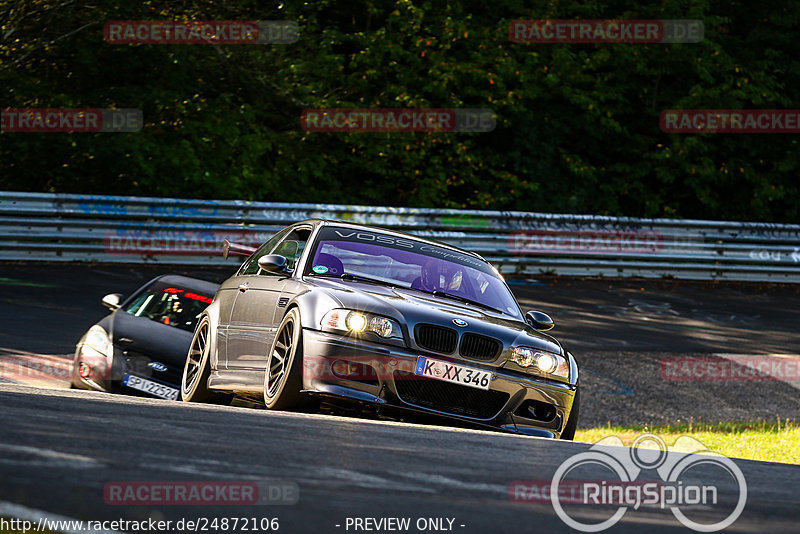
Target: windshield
x=170 y=305
x=410 y=264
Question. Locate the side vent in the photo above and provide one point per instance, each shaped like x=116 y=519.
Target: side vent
x=283 y=301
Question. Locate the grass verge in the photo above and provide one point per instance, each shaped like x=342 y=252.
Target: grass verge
x=769 y=441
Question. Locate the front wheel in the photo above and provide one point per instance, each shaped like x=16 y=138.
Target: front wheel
x=194 y=383
x=283 y=378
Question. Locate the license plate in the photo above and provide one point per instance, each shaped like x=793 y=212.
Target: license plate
x=452 y=372
x=148 y=386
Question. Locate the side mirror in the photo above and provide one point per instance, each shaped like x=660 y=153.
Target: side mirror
x=112 y=300
x=273 y=263
x=540 y=321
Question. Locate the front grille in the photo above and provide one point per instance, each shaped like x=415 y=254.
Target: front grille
x=450 y=398
x=436 y=338
x=477 y=347
x=138 y=364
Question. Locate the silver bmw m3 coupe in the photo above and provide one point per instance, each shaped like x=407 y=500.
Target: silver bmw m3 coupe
x=386 y=321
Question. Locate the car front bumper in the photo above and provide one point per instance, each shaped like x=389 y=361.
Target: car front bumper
x=383 y=376
x=107 y=374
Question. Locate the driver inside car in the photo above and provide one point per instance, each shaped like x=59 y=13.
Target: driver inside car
x=435 y=276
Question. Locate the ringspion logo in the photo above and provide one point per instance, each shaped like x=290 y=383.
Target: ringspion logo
x=397 y=120
x=214 y=32
x=606 y=31
x=67 y=120
x=695 y=487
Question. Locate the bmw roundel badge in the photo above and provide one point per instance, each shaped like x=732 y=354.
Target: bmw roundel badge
x=459 y=322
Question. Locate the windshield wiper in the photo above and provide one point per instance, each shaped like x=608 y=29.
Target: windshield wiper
x=358 y=277
x=465 y=300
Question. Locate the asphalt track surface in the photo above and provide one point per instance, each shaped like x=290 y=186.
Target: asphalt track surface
x=59 y=448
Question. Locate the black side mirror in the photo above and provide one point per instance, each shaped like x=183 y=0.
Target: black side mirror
x=112 y=301
x=273 y=263
x=540 y=321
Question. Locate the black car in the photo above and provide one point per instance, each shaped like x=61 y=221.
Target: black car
x=387 y=320
x=141 y=346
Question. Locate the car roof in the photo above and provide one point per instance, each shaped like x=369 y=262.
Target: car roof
x=397 y=233
x=185 y=282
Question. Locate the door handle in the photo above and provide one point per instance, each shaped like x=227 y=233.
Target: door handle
x=243 y=287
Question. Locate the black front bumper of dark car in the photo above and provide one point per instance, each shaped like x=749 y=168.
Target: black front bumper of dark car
x=382 y=376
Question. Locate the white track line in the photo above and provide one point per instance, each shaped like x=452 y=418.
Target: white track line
x=61 y=458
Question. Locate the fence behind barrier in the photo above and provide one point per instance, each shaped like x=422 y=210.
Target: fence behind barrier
x=61 y=227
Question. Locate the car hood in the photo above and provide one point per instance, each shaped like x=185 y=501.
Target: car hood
x=411 y=307
x=160 y=342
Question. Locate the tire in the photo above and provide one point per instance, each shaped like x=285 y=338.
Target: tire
x=194 y=382
x=283 y=377
x=572 y=422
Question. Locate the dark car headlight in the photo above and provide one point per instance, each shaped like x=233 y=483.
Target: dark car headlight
x=94 y=359
x=540 y=361
x=98 y=341
x=357 y=322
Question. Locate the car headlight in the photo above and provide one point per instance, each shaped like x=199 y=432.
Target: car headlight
x=540 y=361
x=356 y=322
x=97 y=339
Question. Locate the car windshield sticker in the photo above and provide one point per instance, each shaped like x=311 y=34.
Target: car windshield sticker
x=320 y=269
x=345 y=235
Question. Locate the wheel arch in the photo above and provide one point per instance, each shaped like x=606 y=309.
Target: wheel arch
x=212 y=312
x=312 y=305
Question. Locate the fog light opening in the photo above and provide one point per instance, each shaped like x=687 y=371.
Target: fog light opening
x=358 y=372
x=540 y=411
x=84 y=370
x=341 y=368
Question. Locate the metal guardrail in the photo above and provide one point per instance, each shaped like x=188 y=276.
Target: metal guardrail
x=62 y=227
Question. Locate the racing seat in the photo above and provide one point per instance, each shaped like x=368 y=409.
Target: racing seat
x=417 y=283
x=332 y=263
